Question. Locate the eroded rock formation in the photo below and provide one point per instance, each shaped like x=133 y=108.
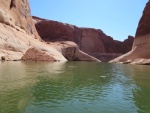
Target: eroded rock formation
x=71 y=51
x=92 y=41
x=18 y=35
x=140 y=53
x=33 y=54
x=16 y=13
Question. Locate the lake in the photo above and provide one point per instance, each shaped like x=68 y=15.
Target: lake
x=74 y=87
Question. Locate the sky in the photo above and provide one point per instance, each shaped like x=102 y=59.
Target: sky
x=116 y=18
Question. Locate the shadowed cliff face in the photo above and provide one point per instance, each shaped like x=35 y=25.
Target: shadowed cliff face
x=90 y=40
x=140 y=53
x=144 y=23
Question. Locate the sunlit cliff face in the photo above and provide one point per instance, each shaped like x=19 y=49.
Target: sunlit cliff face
x=16 y=13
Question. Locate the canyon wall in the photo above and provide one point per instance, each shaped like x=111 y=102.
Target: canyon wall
x=19 y=39
x=92 y=41
x=18 y=33
x=140 y=53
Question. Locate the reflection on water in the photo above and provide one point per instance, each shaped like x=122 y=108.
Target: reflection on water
x=73 y=87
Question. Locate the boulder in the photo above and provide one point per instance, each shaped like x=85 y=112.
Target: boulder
x=71 y=52
x=34 y=54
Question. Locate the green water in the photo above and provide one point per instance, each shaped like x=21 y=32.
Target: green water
x=74 y=87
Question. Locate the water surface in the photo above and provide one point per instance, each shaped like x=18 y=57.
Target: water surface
x=74 y=87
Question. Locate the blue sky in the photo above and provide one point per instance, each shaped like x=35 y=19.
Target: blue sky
x=116 y=18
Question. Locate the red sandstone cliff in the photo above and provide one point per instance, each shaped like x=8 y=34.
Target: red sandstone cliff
x=92 y=41
x=20 y=40
x=144 y=23
x=140 y=53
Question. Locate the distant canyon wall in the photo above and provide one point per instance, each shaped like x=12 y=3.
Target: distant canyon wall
x=92 y=41
x=18 y=33
x=54 y=41
x=19 y=39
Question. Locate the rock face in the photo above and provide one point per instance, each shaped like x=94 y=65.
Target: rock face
x=16 y=13
x=144 y=23
x=71 y=51
x=34 y=54
x=18 y=33
x=19 y=38
x=140 y=53
x=92 y=41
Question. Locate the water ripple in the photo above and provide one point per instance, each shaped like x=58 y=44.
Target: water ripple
x=73 y=87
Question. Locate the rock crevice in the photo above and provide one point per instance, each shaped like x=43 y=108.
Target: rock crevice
x=12 y=4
